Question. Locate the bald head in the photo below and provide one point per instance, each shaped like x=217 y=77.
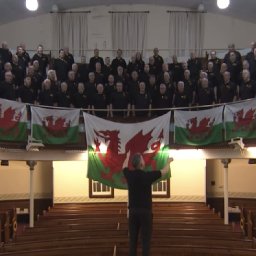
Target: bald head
x=181 y=86
x=8 y=76
x=246 y=75
x=138 y=161
x=205 y=83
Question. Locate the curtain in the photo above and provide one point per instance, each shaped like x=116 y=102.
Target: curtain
x=71 y=30
x=196 y=32
x=129 y=32
x=178 y=44
x=186 y=33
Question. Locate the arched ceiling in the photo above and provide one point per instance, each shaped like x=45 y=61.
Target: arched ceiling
x=11 y=10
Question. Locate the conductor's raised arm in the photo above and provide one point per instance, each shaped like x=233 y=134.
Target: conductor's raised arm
x=165 y=170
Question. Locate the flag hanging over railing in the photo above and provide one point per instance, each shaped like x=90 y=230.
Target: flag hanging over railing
x=111 y=146
x=13 y=121
x=240 y=120
x=198 y=127
x=55 y=126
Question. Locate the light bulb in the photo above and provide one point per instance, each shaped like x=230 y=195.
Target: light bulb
x=223 y=4
x=32 y=5
x=55 y=8
x=200 y=8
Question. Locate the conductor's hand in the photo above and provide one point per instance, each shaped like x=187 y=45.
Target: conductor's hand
x=169 y=160
x=165 y=170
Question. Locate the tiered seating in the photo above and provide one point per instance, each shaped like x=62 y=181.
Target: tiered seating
x=72 y=230
x=101 y=229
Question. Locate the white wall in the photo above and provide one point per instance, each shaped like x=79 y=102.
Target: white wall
x=15 y=180
x=219 y=30
x=188 y=180
x=32 y=31
x=70 y=181
x=71 y=184
x=241 y=179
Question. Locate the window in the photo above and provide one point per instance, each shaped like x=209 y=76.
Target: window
x=99 y=190
x=161 y=189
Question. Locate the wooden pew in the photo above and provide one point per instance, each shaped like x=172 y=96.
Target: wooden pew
x=13 y=223
x=188 y=229
x=68 y=234
x=94 y=241
x=122 y=242
x=47 y=240
x=65 y=251
x=5 y=226
x=190 y=250
x=251 y=225
x=123 y=226
x=247 y=221
x=1 y=241
x=9 y=217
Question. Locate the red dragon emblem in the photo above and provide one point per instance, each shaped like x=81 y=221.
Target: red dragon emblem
x=9 y=120
x=199 y=129
x=113 y=159
x=244 y=121
x=56 y=126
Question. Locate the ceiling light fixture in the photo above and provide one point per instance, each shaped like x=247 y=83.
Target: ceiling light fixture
x=201 y=8
x=32 y=5
x=55 y=8
x=223 y=4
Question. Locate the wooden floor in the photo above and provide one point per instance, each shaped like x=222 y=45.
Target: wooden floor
x=101 y=229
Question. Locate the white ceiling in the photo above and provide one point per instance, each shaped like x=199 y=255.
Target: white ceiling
x=11 y=10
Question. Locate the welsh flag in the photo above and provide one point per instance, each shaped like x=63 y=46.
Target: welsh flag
x=198 y=127
x=13 y=121
x=54 y=126
x=111 y=146
x=240 y=120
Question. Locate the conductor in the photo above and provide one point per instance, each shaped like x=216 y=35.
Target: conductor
x=140 y=202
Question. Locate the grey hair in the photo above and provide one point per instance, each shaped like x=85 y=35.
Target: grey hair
x=136 y=160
